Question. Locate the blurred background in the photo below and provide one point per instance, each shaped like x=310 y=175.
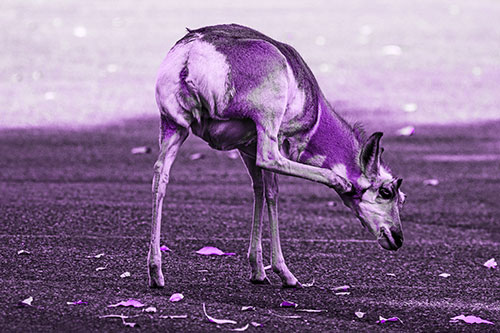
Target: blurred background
x=81 y=63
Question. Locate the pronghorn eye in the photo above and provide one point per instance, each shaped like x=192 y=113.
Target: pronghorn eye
x=385 y=193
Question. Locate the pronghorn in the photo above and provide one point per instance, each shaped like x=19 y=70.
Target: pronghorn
x=238 y=89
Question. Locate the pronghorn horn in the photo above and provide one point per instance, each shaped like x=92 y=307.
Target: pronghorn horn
x=370 y=155
x=399 y=181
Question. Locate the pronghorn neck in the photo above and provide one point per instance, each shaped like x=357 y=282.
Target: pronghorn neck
x=334 y=144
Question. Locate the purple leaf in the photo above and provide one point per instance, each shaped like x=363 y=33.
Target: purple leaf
x=470 y=320
x=287 y=304
x=184 y=316
x=124 y=275
x=240 y=329
x=77 y=302
x=97 y=256
x=445 y=275
x=26 y=302
x=150 y=309
x=385 y=320
x=23 y=252
x=342 y=288
x=491 y=263
x=196 y=156
x=131 y=302
x=140 y=150
x=311 y=310
x=359 y=314
x=176 y=297
x=164 y=248
x=210 y=250
x=122 y=317
x=217 y=321
x=255 y=324
x=100 y=268
x=248 y=308
x=406 y=131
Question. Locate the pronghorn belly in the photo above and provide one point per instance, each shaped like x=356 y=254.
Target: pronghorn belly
x=225 y=134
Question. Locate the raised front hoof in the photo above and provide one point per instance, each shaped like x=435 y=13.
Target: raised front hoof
x=265 y=280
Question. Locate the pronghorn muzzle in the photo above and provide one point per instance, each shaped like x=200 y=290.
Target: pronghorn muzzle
x=391 y=239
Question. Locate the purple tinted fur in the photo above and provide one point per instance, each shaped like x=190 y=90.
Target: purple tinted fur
x=250 y=59
x=218 y=35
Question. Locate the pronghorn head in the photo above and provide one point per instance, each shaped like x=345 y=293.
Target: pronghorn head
x=376 y=198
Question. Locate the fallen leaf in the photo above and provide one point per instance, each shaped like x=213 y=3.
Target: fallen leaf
x=122 y=317
x=96 y=256
x=491 y=263
x=176 y=297
x=359 y=314
x=406 y=131
x=23 y=252
x=240 y=329
x=124 y=275
x=164 y=248
x=217 y=321
x=248 y=308
x=431 y=182
x=140 y=150
x=233 y=154
x=255 y=324
x=203 y=271
x=310 y=284
x=343 y=288
x=100 y=268
x=131 y=302
x=382 y=320
x=343 y=293
x=470 y=320
x=391 y=274
x=311 y=310
x=26 y=302
x=184 y=316
x=210 y=250
x=150 y=309
x=196 y=156
x=77 y=302
x=287 y=304
x=445 y=275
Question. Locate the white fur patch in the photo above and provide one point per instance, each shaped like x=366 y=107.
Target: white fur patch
x=340 y=170
x=316 y=160
x=295 y=98
x=208 y=72
x=363 y=182
x=384 y=174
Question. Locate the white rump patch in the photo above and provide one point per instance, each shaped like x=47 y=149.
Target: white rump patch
x=208 y=70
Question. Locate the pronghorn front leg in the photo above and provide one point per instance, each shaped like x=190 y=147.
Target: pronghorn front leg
x=258 y=275
x=270 y=158
x=277 y=260
x=170 y=141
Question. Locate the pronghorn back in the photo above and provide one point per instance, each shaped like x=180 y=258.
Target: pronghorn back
x=227 y=72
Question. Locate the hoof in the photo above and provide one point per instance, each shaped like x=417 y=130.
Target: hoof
x=297 y=285
x=258 y=281
x=156 y=279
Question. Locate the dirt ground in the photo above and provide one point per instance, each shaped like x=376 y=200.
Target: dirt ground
x=69 y=195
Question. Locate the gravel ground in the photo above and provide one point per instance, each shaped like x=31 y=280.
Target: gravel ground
x=68 y=195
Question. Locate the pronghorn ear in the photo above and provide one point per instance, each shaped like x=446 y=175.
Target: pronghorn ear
x=370 y=155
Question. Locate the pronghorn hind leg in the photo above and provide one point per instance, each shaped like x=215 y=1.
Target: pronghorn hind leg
x=258 y=275
x=171 y=138
x=277 y=260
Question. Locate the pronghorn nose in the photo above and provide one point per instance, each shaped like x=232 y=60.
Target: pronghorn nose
x=397 y=235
